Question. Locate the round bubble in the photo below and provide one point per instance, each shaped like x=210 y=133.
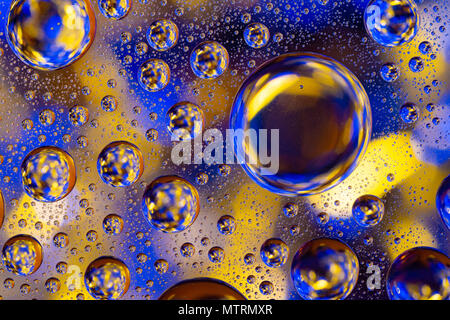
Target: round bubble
x=78 y=115
x=209 y=60
x=52 y=285
x=226 y=225
x=170 y=204
x=425 y=47
x=50 y=35
x=443 y=201
x=162 y=35
x=109 y=103
x=114 y=9
x=184 y=121
x=61 y=240
x=22 y=255
x=274 y=253
x=256 y=35
x=391 y=22
x=389 y=72
x=368 y=210
x=48 y=174
x=154 y=75
x=216 y=254
x=120 y=164
x=322 y=118
x=409 y=113
x=107 y=278
x=416 y=64
x=187 y=249
x=202 y=289
x=324 y=269
x=419 y=274
x=113 y=224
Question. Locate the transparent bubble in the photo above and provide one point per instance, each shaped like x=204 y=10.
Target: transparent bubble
x=202 y=178
x=290 y=209
x=22 y=255
x=249 y=259
x=274 y=253
x=409 y=113
x=202 y=289
x=443 y=201
x=151 y=134
x=184 y=121
x=120 y=164
x=91 y=236
x=425 y=47
x=162 y=35
x=78 y=115
x=256 y=35
x=50 y=35
x=216 y=254
x=109 y=103
x=416 y=64
x=48 y=174
x=391 y=22
x=226 y=225
x=61 y=267
x=47 y=117
x=419 y=274
x=161 y=266
x=368 y=210
x=113 y=224
x=266 y=287
x=324 y=269
x=313 y=101
x=170 y=204
x=187 y=250
x=389 y=72
x=114 y=9
x=209 y=60
x=9 y=283
x=154 y=75
x=52 y=285
x=107 y=278
x=61 y=240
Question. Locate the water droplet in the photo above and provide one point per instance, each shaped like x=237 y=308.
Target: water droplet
x=391 y=22
x=316 y=148
x=120 y=164
x=256 y=35
x=209 y=60
x=443 y=201
x=154 y=75
x=107 y=278
x=409 y=113
x=22 y=255
x=389 y=72
x=368 y=210
x=113 y=224
x=226 y=225
x=48 y=174
x=419 y=274
x=202 y=289
x=162 y=35
x=49 y=35
x=170 y=204
x=114 y=9
x=324 y=269
x=274 y=253
x=184 y=121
